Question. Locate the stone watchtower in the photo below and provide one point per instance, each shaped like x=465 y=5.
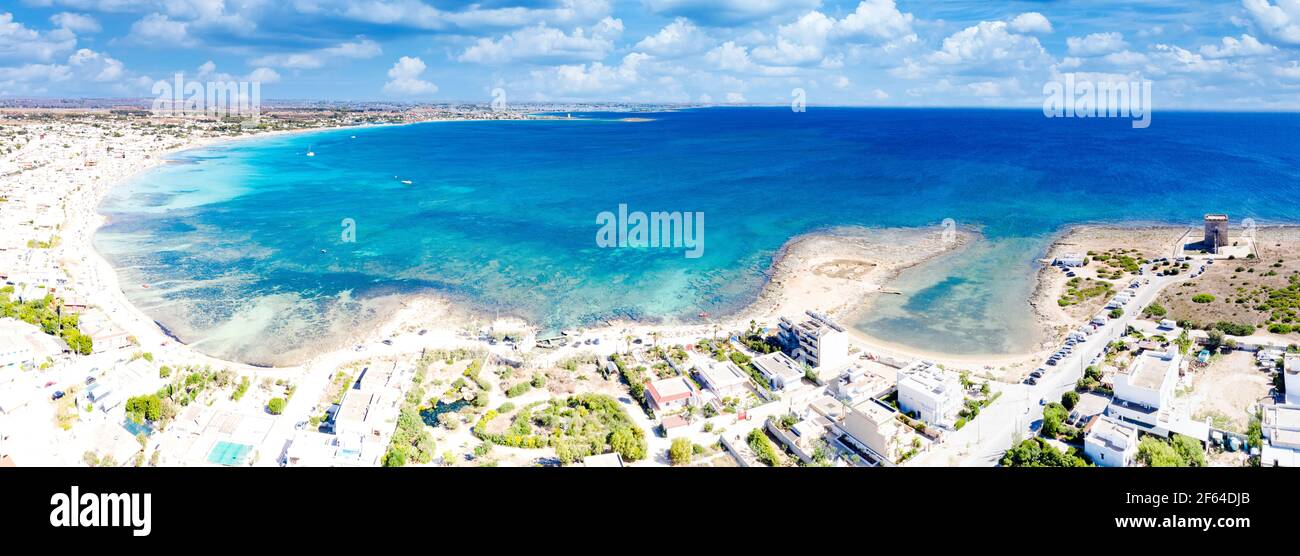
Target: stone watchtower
x=1216 y=232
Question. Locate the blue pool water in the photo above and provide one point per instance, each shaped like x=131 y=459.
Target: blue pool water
x=502 y=215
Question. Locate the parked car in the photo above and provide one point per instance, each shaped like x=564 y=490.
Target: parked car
x=57 y=395
x=49 y=384
x=90 y=380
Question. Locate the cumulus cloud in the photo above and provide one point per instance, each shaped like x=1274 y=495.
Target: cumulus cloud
x=679 y=38
x=1031 y=22
x=1230 y=47
x=161 y=31
x=77 y=23
x=404 y=78
x=19 y=42
x=587 y=80
x=1280 y=22
x=542 y=43
x=1095 y=44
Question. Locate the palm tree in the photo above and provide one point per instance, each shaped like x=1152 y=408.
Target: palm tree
x=655 y=335
x=628 y=340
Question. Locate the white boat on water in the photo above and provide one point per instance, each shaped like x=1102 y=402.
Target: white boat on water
x=310 y=152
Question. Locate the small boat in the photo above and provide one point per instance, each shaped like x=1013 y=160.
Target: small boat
x=145 y=286
x=354 y=136
x=310 y=152
x=704 y=315
x=407 y=182
x=322 y=250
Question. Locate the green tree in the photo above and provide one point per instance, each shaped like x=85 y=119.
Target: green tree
x=629 y=442
x=680 y=452
x=1154 y=452
x=1069 y=399
x=275 y=406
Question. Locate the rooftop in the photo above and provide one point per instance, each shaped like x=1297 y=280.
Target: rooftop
x=1111 y=434
x=722 y=374
x=670 y=389
x=778 y=364
x=1148 y=369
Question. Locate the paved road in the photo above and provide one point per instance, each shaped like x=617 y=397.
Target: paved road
x=1016 y=414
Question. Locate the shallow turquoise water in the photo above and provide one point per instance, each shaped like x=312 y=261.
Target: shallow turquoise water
x=502 y=215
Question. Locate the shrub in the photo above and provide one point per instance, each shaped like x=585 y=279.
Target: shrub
x=762 y=447
x=1069 y=399
x=1202 y=298
x=275 y=406
x=680 y=452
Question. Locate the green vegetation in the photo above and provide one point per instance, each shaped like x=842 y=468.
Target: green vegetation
x=1079 y=290
x=1202 y=298
x=1069 y=399
x=518 y=389
x=144 y=408
x=680 y=452
x=275 y=406
x=1036 y=452
x=1155 y=310
x=762 y=447
x=578 y=426
x=1116 y=313
x=411 y=440
x=42 y=313
x=241 y=389
x=1179 y=451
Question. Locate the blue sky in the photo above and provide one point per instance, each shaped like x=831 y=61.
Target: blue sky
x=1232 y=55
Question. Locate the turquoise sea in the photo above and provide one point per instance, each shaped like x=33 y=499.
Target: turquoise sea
x=242 y=243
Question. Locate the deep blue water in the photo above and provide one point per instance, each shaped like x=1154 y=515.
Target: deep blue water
x=503 y=214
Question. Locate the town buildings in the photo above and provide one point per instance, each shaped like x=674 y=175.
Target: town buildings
x=817 y=342
x=1110 y=443
x=929 y=393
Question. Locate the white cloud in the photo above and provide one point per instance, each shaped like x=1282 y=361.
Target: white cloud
x=161 y=31
x=988 y=44
x=679 y=38
x=1180 y=60
x=1237 y=48
x=542 y=43
x=18 y=42
x=404 y=78
x=97 y=67
x=1280 y=22
x=77 y=23
x=263 y=75
x=413 y=13
x=360 y=49
x=876 y=19
x=1031 y=22
x=1095 y=44
x=586 y=80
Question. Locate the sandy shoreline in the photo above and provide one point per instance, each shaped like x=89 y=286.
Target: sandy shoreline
x=836 y=272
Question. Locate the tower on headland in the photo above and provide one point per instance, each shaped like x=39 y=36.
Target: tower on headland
x=1216 y=232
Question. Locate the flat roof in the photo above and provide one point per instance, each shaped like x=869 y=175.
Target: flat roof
x=778 y=364
x=722 y=373
x=611 y=459
x=1148 y=369
x=1283 y=416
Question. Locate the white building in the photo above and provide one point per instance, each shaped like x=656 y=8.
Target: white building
x=780 y=370
x=1291 y=377
x=817 y=341
x=1280 y=425
x=24 y=345
x=1109 y=443
x=1145 y=388
x=723 y=378
x=870 y=431
x=925 y=390
x=1069 y=259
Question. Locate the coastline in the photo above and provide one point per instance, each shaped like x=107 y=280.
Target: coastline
x=791 y=284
